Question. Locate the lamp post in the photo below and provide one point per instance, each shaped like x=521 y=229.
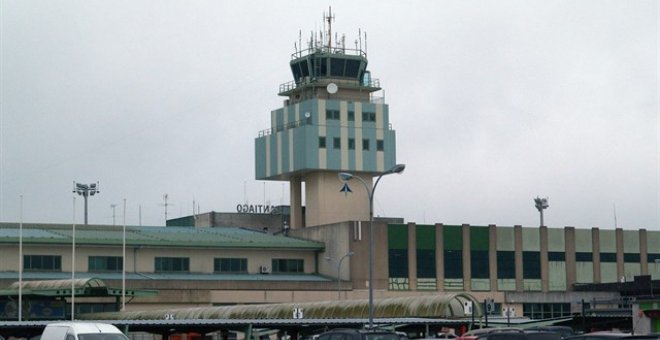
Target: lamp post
x=345 y=177
x=328 y=258
x=85 y=190
x=541 y=204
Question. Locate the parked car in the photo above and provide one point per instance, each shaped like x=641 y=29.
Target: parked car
x=482 y=333
x=358 y=334
x=564 y=331
x=600 y=335
x=82 y=331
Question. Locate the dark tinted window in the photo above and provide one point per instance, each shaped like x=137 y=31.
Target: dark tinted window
x=506 y=265
x=608 y=257
x=557 y=256
x=479 y=264
x=583 y=257
x=531 y=265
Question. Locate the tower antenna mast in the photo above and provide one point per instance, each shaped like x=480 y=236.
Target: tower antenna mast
x=329 y=19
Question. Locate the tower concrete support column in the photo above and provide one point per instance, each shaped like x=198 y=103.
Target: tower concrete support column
x=295 y=187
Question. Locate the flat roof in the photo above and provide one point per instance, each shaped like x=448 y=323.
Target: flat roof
x=184 y=237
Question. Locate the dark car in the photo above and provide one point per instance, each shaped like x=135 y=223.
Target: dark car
x=523 y=335
x=564 y=331
x=358 y=334
x=603 y=335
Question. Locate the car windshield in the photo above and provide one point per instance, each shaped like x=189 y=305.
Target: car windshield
x=102 y=336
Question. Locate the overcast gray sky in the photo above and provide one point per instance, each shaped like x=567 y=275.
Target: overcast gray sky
x=493 y=102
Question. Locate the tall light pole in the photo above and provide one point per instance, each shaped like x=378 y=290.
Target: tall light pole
x=541 y=204
x=86 y=190
x=345 y=177
x=328 y=258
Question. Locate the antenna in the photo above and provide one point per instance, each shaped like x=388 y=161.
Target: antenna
x=329 y=19
x=616 y=225
x=360 y=37
x=112 y=206
x=365 y=42
x=165 y=197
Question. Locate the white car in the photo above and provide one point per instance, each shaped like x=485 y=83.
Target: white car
x=82 y=331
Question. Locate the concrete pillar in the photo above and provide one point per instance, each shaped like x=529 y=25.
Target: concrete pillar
x=643 y=252
x=517 y=230
x=440 y=257
x=492 y=256
x=467 y=269
x=569 y=250
x=545 y=284
x=595 y=253
x=412 y=255
x=295 y=189
x=620 y=269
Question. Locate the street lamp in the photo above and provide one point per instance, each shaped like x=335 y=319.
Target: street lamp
x=345 y=177
x=328 y=258
x=541 y=204
x=85 y=190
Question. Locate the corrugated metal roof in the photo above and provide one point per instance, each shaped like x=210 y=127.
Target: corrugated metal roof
x=435 y=306
x=221 y=237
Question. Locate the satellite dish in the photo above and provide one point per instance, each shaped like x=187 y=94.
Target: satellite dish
x=332 y=88
x=307 y=114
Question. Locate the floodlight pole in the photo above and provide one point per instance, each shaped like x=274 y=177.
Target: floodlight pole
x=345 y=177
x=85 y=190
x=328 y=258
x=541 y=204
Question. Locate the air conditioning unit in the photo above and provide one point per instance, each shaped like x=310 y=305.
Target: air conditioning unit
x=264 y=270
x=509 y=312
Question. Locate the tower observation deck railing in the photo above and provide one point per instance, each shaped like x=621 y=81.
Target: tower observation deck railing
x=291 y=85
x=295 y=124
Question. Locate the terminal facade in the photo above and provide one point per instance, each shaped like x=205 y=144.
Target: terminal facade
x=534 y=272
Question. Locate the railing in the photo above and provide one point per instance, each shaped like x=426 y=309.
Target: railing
x=326 y=49
x=295 y=124
x=288 y=86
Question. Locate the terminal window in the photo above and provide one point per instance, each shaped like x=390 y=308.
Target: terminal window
x=172 y=264
x=230 y=265
x=288 y=266
x=105 y=263
x=46 y=263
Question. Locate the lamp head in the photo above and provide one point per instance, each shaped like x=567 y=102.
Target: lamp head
x=397 y=169
x=345 y=176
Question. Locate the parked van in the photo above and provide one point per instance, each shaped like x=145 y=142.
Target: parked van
x=82 y=331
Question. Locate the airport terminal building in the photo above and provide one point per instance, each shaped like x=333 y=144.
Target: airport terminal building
x=533 y=272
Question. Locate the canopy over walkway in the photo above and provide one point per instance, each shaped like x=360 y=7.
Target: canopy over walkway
x=428 y=306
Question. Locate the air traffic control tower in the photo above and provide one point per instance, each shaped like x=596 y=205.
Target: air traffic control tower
x=331 y=122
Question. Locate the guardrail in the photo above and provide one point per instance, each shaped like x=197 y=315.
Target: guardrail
x=298 y=123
